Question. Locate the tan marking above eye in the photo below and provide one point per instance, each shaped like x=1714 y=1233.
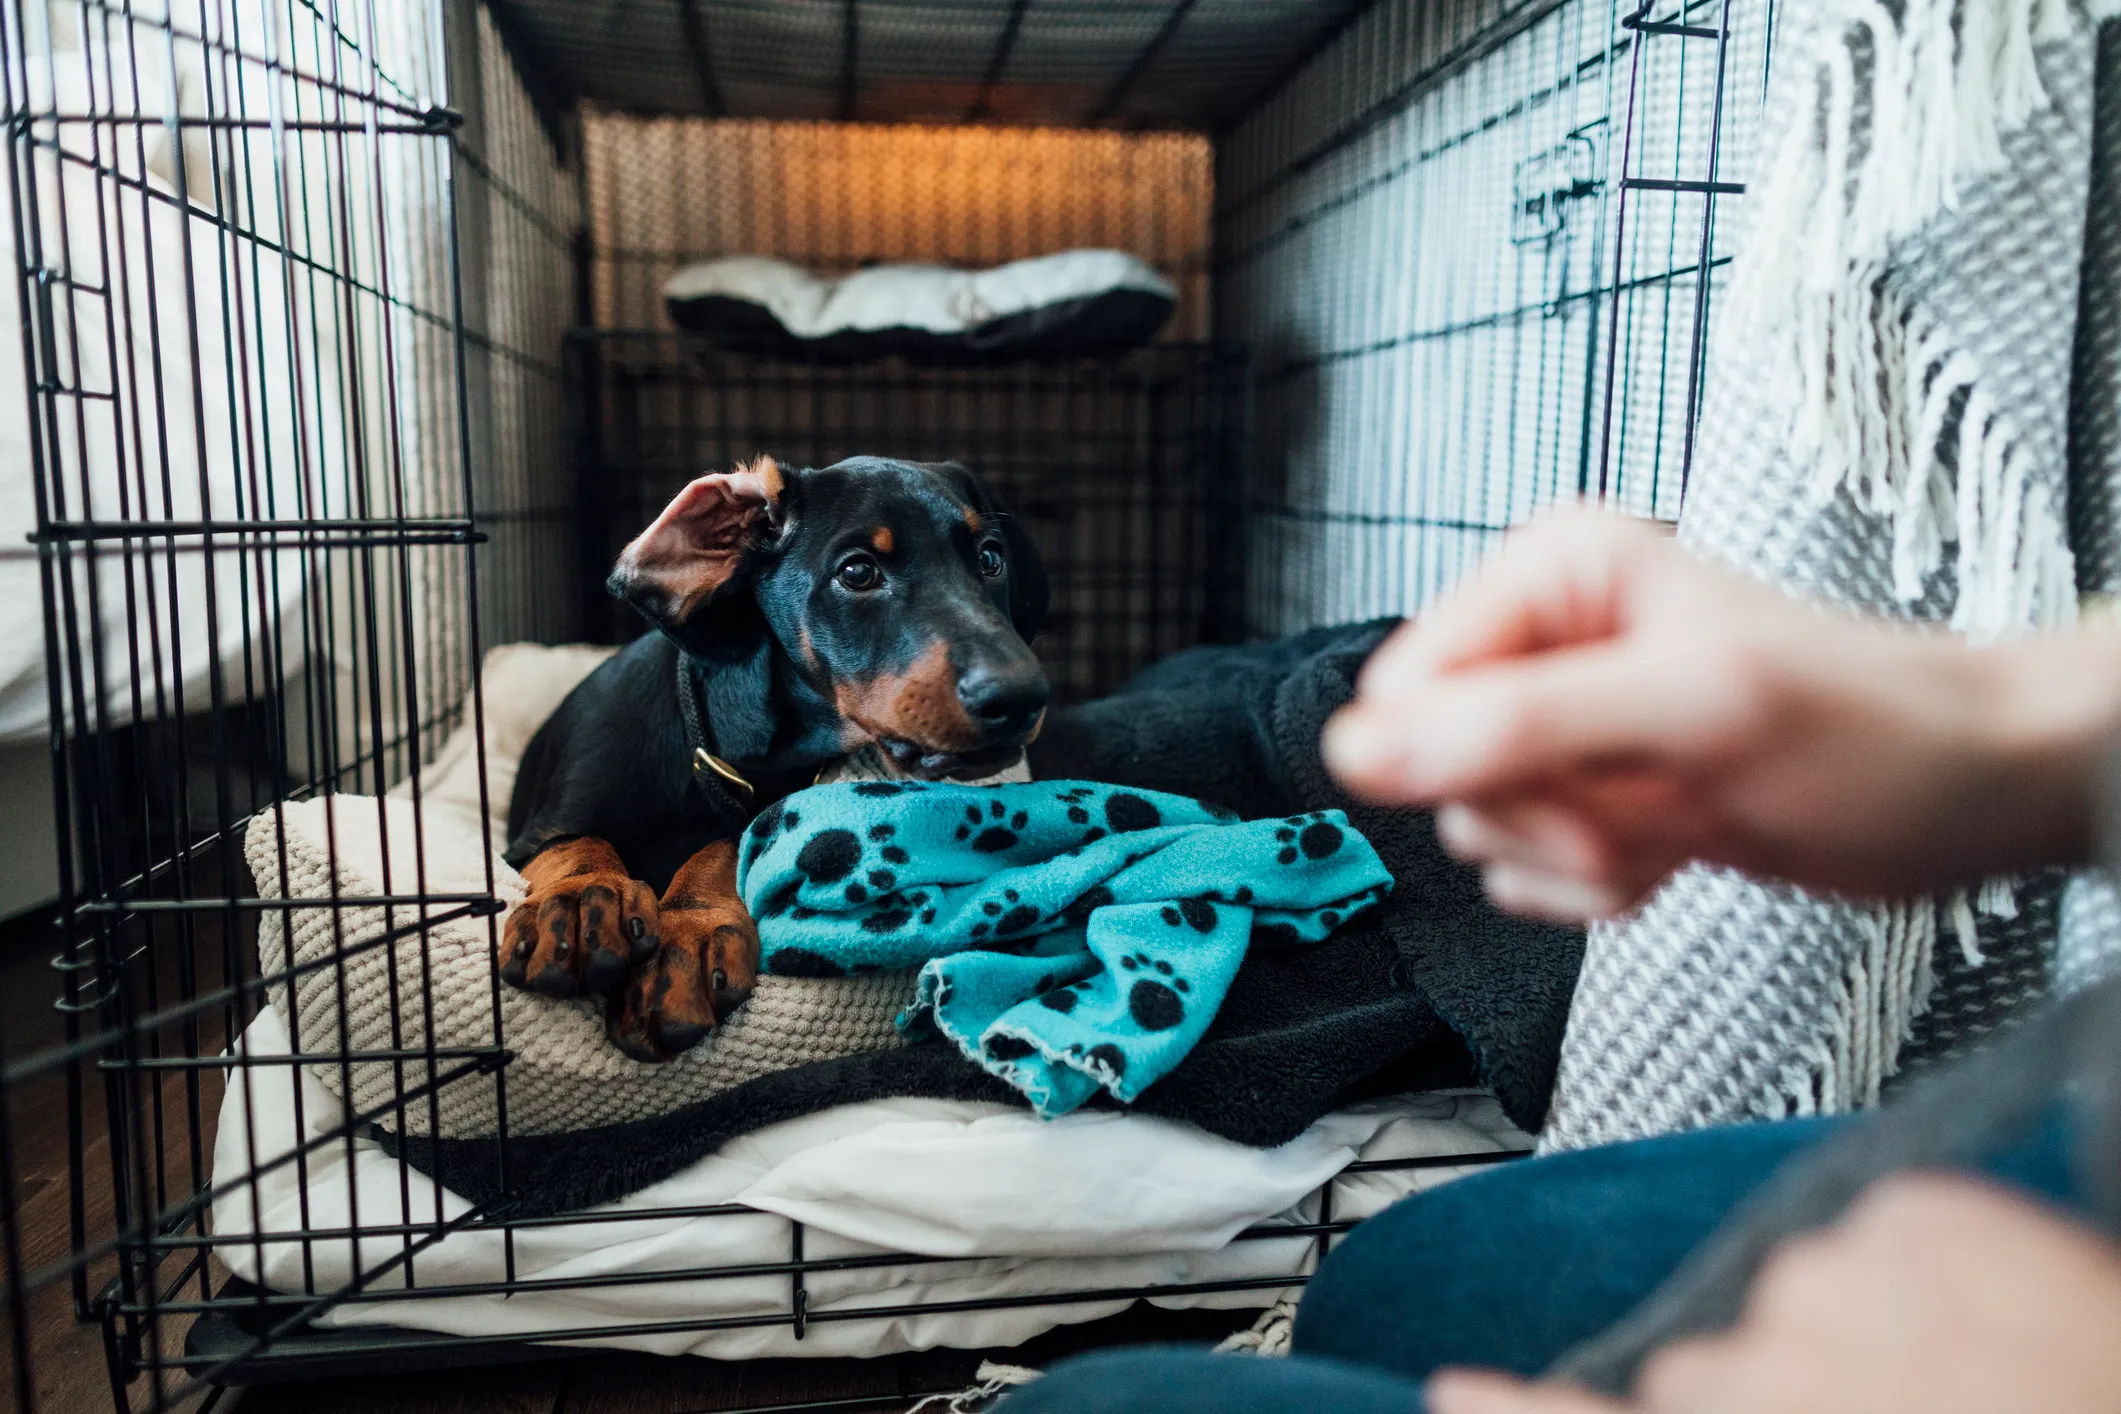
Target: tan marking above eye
x=880 y=540
x=973 y=521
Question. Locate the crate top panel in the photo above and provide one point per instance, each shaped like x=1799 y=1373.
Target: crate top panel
x=1072 y=63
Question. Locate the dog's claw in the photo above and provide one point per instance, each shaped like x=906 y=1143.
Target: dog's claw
x=668 y=974
x=515 y=967
x=695 y=981
x=579 y=935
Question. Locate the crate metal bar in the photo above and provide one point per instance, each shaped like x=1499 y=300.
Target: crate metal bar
x=1697 y=343
x=480 y=904
x=1669 y=184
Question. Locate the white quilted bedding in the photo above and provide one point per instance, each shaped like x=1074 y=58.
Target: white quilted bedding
x=1020 y=1206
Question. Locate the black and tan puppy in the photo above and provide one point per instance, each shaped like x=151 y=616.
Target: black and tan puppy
x=803 y=614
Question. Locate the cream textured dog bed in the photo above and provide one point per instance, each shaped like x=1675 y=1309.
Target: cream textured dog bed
x=566 y=1074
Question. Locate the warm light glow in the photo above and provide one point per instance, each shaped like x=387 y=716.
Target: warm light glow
x=666 y=191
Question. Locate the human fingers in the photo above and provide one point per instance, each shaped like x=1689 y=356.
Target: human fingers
x=1620 y=834
x=1724 y=1374
x=1530 y=831
x=1502 y=727
x=1557 y=581
x=1468 y=1391
x=1916 y=1206
x=1550 y=897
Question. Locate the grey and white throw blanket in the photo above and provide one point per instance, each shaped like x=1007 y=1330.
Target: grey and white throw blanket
x=1914 y=409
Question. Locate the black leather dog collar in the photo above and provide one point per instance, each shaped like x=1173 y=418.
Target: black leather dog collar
x=728 y=794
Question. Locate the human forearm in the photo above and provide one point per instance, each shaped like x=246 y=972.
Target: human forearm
x=2056 y=725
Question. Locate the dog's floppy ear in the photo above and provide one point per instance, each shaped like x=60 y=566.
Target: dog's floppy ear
x=1029 y=592
x=701 y=548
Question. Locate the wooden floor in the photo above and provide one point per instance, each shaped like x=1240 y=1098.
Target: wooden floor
x=67 y=1359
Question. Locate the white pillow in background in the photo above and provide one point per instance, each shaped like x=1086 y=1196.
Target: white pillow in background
x=1075 y=302
x=1088 y=1202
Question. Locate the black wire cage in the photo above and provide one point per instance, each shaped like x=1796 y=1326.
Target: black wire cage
x=343 y=359
x=1126 y=472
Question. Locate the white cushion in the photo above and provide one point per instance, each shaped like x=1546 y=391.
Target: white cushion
x=566 y=1075
x=1075 y=301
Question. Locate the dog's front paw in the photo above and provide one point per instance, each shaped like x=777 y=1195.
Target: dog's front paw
x=584 y=927
x=704 y=970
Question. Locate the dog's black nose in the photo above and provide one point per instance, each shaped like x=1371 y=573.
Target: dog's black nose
x=1008 y=698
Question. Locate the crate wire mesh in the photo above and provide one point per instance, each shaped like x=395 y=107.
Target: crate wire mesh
x=293 y=277
x=1124 y=472
x=518 y=209
x=1131 y=65
x=1464 y=243
x=248 y=362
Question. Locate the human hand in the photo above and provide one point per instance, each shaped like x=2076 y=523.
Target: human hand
x=1597 y=707
x=1935 y=1293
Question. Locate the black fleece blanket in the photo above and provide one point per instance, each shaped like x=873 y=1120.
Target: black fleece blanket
x=1436 y=988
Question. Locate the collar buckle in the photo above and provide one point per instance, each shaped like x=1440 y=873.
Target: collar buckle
x=705 y=760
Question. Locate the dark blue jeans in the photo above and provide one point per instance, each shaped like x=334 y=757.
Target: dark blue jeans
x=1508 y=1268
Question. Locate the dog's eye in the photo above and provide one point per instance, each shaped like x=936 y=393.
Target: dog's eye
x=859 y=573
x=991 y=563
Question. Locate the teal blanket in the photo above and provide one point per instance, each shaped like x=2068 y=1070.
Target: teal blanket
x=1070 y=936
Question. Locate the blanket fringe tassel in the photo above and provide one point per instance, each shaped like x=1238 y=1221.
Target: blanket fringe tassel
x=1884 y=988
x=1269 y=1336
x=992 y=1381
x=1874 y=391
x=1913 y=99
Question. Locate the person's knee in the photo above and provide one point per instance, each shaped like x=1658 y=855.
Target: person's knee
x=1463 y=1273
x=1120 y=1382
x=1510 y=1266
x=1171 y=1380
x=1383 y=1295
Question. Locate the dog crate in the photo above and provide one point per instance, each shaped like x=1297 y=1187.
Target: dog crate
x=1125 y=472
x=343 y=357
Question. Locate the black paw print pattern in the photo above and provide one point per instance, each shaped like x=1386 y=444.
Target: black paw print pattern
x=1281 y=928
x=1007 y=923
x=994 y=829
x=1123 y=1026
x=1156 y=996
x=765 y=826
x=1165 y=922
x=1308 y=837
x=848 y=863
